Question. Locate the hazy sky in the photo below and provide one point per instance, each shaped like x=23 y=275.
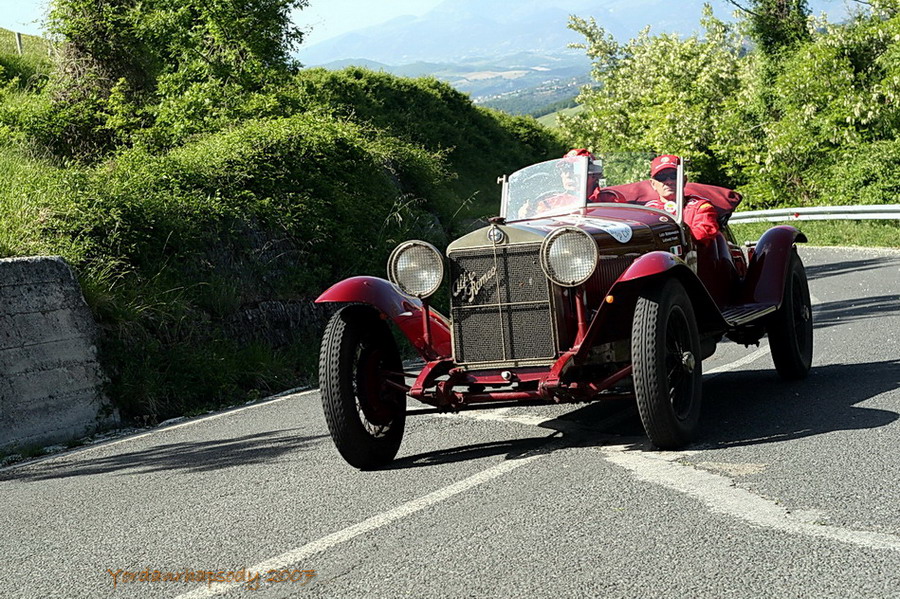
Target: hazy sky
x=322 y=18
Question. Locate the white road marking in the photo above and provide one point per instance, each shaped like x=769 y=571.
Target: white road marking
x=303 y=552
x=498 y=414
x=721 y=496
x=201 y=419
x=739 y=363
x=719 y=493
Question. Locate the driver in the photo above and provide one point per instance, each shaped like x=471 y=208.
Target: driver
x=699 y=214
x=566 y=170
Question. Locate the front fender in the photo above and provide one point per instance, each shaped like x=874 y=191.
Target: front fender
x=652 y=263
x=768 y=266
x=651 y=266
x=613 y=318
x=404 y=311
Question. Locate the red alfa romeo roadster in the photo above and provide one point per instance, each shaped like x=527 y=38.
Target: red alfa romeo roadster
x=576 y=292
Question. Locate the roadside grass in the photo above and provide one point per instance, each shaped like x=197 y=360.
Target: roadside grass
x=32 y=45
x=31 y=192
x=863 y=233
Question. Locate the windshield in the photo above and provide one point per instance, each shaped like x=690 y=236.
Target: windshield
x=565 y=185
x=547 y=188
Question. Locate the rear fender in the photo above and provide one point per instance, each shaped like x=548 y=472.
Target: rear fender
x=766 y=273
x=403 y=310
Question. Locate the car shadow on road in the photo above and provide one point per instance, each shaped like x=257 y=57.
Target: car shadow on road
x=189 y=457
x=748 y=408
x=739 y=408
x=849 y=310
x=513 y=449
x=592 y=425
x=821 y=271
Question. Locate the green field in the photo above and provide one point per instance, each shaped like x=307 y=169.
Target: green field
x=551 y=120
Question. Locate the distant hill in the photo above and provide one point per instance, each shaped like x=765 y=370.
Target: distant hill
x=518 y=84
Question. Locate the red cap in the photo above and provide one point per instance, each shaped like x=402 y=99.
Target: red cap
x=576 y=152
x=661 y=163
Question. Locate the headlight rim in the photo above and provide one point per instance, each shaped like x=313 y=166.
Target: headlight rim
x=545 y=253
x=394 y=257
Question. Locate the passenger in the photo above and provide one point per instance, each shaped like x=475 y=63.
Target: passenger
x=699 y=214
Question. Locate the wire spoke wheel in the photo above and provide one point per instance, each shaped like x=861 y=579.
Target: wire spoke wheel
x=791 y=327
x=358 y=363
x=665 y=347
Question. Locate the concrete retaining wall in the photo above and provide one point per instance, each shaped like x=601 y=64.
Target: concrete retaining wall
x=50 y=380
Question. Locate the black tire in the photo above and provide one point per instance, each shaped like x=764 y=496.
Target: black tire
x=791 y=328
x=365 y=415
x=665 y=353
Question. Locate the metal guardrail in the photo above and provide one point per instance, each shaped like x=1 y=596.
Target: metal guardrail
x=874 y=211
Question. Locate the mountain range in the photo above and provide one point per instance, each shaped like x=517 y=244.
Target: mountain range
x=458 y=31
x=510 y=54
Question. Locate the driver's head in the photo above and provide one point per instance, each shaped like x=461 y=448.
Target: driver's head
x=663 y=175
x=567 y=165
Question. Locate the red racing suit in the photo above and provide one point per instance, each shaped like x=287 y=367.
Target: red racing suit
x=699 y=215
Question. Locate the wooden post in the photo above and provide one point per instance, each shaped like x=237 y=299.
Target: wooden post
x=19 y=43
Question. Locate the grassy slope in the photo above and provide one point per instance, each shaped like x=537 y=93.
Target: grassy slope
x=200 y=261
x=841 y=232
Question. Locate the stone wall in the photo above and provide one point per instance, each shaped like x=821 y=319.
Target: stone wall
x=50 y=380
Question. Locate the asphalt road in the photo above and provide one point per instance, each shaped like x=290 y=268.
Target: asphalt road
x=791 y=491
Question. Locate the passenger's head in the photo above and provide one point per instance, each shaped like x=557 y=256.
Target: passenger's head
x=664 y=175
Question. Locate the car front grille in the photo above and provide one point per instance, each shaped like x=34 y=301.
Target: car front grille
x=501 y=306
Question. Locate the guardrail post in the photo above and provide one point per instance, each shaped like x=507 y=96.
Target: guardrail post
x=19 y=43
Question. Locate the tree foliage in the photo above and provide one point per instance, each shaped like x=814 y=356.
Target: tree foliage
x=775 y=24
x=796 y=120
x=122 y=61
x=658 y=93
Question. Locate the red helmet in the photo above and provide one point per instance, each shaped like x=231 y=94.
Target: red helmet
x=575 y=152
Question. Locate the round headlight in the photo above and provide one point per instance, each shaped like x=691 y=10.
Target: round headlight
x=569 y=256
x=417 y=268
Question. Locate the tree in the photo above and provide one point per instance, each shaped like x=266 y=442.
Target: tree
x=657 y=93
x=122 y=60
x=776 y=24
x=139 y=40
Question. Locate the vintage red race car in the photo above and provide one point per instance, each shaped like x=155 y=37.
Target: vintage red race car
x=574 y=293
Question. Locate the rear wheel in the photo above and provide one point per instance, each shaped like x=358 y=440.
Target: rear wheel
x=359 y=370
x=791 y=328
x=665 y=350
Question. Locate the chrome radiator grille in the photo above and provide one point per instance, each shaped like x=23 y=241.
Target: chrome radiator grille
x=500 y=306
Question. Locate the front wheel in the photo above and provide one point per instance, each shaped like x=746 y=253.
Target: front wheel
x=791 y=328
x=360 y=376
x=665 y=353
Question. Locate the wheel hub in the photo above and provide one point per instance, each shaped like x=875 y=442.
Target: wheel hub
x=688 y=361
